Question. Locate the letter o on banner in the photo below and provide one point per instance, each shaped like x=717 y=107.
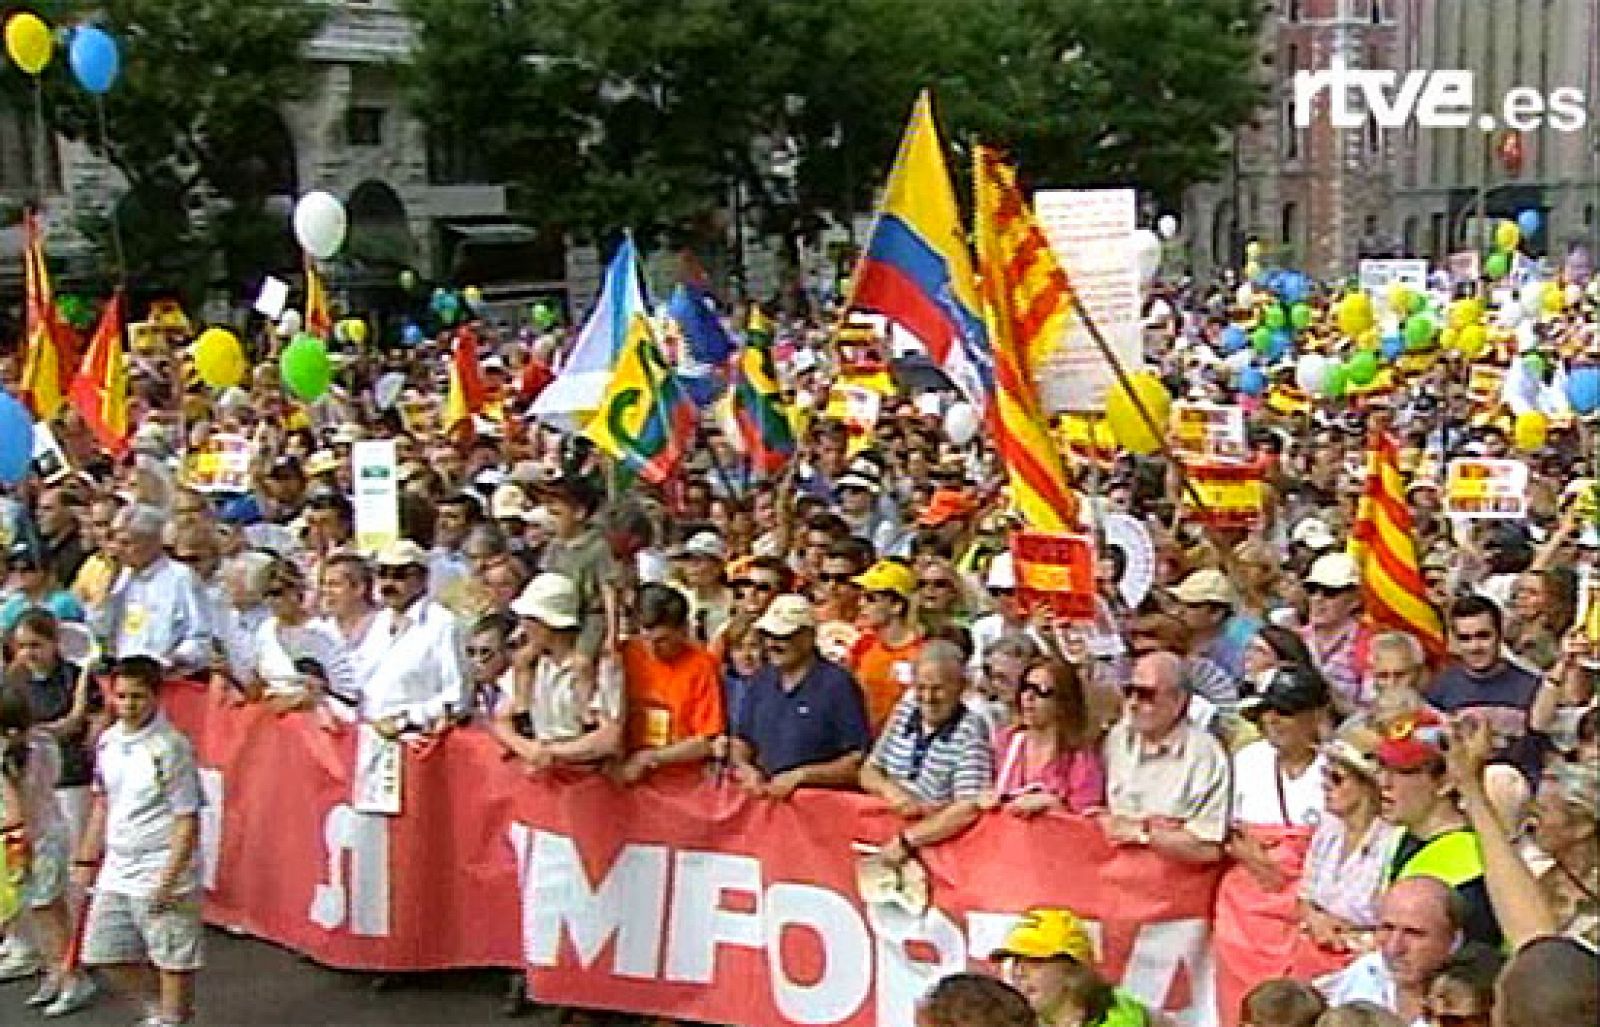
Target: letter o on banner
x=846 y=952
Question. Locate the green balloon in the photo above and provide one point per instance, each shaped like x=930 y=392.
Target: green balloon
x=1275 y=317
x=544 y=316
x=1301 y=316
x=1337 y=383
x=1419 y=331
x=1261 y=339
x=1362 y=368
x=1536 y=364
x=1418 y=302
x=1497 y=265
x=305 y=368
x=408 y=280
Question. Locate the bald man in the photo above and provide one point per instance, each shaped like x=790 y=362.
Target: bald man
x=1167 y=781
x=1419 y=928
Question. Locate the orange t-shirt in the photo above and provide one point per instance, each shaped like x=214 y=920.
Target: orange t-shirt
x=884 y=674
x=671 y=701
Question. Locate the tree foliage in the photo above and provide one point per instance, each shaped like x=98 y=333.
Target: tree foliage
x=636 y=112
x=192 y=124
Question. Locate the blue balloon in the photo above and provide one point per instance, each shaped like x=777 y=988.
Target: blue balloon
x=1393 y=347
x=1282 y=342
x=94 y=58
x=16 y=440
x=1529 y=221
x=1252 y=382
x=1293 y=287
x=1234 y=339
x=1583 y=389
x=411 y=334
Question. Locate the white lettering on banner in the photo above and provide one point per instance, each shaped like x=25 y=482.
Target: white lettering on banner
x=847 y=948
x=213 y=791
x=628 y=903
x=637 y=904
x=363 y=905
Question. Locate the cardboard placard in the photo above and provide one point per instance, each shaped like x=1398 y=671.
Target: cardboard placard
x=1232 y=495
x=1378 y=275
x=1055 y=571
x=221 y=465
x=50 y=461
x=377 y=493
x=1484 y=489
x=1210 y=432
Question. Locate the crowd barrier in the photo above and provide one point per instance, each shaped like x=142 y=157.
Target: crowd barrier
x=681 y=897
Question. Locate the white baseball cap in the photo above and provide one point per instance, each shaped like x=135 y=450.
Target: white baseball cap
x=550 y=599
x=787 y=614
x=1335 y=570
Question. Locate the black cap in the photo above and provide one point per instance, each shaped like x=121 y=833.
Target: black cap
x=1289 y=692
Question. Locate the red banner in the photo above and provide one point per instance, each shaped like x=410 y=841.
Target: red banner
x=681 y=898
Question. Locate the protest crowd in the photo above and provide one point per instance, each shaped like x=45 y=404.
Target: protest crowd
x=1310 y=596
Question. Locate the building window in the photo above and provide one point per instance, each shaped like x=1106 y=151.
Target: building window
x=1292 y=10
x=1588 y=215
x=1380 y=13
x=1293 y=57
x=1374 y=137
x=1289 y=134
x=1289 y=226
x=364 y=126
x=1411 y=242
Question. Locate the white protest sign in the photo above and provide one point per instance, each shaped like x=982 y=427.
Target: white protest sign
x=376 y=787
x=1210 y=432
x=1378 y=275
x=273 y=297
x=221 y=465
x=1482 y=489
x=1091 y=233
x=374 y=470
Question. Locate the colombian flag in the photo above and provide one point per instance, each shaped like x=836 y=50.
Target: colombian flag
x=917 y=271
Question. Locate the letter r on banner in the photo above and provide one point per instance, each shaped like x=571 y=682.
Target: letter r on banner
x=364 y=904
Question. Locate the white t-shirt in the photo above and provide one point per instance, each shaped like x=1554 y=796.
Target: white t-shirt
x=1255 y=793
x=149 y=779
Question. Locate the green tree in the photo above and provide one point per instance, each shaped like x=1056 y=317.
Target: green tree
x=191 y=124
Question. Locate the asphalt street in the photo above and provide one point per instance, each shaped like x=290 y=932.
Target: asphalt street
x=251 y=982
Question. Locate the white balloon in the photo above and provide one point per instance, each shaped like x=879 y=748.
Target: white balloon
x=961 y=423
x=1574 y=294
x=1167 y=226
x=1237 y=362
x=320 y=223
x=1245 y=296
x=1311 y=373
x=1146 y=254
x=289 y=323
x=1532 y=298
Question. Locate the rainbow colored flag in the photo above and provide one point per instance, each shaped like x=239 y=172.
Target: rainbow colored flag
x=645 y=419
x=1026 y=303
x=916 y=270
x=764 y=426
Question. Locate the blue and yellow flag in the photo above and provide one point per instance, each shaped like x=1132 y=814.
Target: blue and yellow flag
x=645 y=420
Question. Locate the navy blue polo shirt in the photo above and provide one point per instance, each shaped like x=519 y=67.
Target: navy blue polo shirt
x=823 y=718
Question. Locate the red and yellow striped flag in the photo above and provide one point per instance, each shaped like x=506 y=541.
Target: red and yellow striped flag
x=47 y=365
x=100 y=390
x=1026 y=302
x=318 y=319
x=1383 y=545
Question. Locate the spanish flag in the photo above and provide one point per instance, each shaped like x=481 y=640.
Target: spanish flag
x=468 y=394
x=1382 y=544
x=318 y=319
x=47 y=362
x=1026 y=303
x=100 y=390
x=646 y=419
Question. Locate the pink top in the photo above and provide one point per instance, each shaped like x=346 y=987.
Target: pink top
x=1078 y=778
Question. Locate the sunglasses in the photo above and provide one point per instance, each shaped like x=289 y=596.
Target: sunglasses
x=1328 y=592
x=1040 y=691
x=1476 y=636
x=754 y=586
x=835 y=579
x=1141 y=693
x=1002 y=593
x=394 y=573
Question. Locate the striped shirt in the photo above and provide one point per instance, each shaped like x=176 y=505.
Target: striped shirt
x=952 y=761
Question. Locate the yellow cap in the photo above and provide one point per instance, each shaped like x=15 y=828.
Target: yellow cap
x=1048 y=934
x=889 y=576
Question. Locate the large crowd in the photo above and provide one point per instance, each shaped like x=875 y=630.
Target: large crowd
x=854 y=621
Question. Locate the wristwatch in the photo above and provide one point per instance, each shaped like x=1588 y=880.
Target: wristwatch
x=1143 y=837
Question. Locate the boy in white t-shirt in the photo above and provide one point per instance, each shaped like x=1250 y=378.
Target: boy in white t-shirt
x=143 y=837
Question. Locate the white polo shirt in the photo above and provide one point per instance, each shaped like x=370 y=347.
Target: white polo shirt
x=149 y=779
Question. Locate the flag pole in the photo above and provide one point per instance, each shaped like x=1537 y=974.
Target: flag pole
x=116 y=224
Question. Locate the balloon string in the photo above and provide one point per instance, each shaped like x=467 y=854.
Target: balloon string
x=40 y=153
x=116 y=223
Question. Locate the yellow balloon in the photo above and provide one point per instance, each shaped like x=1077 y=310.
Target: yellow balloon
x=1400 y=298
x=1530 y=431
x=1555 y=299
x=219 y=359
x=1252 y=269
x=473 y=295
x=1449 y=337
x=1472 y=341
x=1507 y=235
x=29 y=42
x=1252 y=251
x=1466 y=311
x=1355 y=314
x=356 y=330
x=1127 y=424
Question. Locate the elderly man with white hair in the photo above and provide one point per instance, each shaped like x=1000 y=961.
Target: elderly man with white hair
x=157 y=606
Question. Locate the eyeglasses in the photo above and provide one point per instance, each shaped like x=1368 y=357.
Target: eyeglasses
x=1141 y=693
x=1041 y=691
